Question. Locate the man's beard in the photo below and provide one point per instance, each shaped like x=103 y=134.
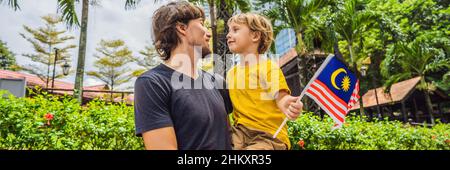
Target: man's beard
x=205 y=52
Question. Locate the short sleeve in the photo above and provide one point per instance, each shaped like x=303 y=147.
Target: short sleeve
x=276 y=80
x=151 y=104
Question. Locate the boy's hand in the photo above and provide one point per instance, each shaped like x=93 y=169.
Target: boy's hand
x=290 y=106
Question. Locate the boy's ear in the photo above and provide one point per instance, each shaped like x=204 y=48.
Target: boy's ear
x=181 y=28
x=256 y=36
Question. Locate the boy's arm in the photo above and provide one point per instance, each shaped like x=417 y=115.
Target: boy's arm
x=279 y=89
x=288 y=104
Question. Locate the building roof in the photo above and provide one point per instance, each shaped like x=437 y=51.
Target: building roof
x=398 y=92
x=292 y=54
x=288 y=56
x=33 y=81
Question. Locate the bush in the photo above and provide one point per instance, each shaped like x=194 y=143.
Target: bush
x=47 y=122
x=25 y=124
x=313 y=133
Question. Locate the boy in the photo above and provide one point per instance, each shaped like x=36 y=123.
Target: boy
x=257 y=87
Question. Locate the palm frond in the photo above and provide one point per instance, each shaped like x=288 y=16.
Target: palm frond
x=243 y=5
x=69 y=15
x=13 y=4
x=131 y=4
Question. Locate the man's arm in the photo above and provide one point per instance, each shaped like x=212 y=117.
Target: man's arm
x=152 y=117
x=160 y=139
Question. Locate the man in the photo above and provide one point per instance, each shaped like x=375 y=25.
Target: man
x=176 y=105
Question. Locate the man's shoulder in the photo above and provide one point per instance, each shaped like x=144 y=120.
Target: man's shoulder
x=157 y=72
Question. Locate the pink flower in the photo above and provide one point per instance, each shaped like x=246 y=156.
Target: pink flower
x=301 y=143
x=48 y=116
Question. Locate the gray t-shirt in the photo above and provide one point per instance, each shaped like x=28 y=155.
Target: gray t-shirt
x=199 y=116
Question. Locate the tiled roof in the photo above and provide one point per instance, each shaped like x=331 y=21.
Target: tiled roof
x=398 y=92
x=33 y=81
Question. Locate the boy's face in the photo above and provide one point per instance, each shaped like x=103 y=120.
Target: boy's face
x=240 y=38
x=198 y=35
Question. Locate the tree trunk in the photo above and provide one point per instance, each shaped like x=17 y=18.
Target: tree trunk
x=112 y=89
x=48 y=72
x=112 y=82
x=217 y=62
x=404 y=113
x=350 y=49
x=212 y=14
x=428 y=103
x=301 y=54
x=355 y=70
x=223 y=62
x=48 y=65
x=81 y=52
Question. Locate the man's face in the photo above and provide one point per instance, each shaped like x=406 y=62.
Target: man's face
x=198 y=35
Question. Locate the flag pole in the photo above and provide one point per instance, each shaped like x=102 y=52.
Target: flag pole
x=304 y=90
x=286 y=119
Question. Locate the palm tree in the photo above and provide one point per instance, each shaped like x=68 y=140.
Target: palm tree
x=417 y=58
x=351 y=20
x=67 y=8
x=69 y=14
x=299 y=15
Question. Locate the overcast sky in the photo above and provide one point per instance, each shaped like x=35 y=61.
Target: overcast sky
x=109 y=20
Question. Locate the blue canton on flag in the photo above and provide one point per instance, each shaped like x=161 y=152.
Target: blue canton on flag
x=334 y=88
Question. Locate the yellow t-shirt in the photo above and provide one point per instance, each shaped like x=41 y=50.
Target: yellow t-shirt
x=252 y=91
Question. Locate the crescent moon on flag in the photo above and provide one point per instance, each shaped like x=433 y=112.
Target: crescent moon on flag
x=334 y=75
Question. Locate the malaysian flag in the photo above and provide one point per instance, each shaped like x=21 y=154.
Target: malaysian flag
x=334 y=88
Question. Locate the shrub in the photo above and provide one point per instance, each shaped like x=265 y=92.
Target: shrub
x=25 y=124
x=310 y=132
x=46 y=122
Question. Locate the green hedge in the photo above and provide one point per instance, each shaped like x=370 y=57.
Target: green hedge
x=313 y=133
x=95 y=126
x=99 y=125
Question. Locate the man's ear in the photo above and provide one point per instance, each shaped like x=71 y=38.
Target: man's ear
x=181 y=28
x=256 y=36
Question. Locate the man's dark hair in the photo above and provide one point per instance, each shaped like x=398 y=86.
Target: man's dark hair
x=164 y=25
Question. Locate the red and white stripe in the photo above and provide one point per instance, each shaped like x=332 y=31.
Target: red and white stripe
x=329 y=102
x=355 y=96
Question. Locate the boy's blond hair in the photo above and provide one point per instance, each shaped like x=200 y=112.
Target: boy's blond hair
x=256 y=23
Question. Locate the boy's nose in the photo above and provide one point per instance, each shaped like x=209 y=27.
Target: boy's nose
x=228 y=36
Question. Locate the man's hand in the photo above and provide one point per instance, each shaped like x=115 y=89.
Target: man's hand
x=289 y=105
